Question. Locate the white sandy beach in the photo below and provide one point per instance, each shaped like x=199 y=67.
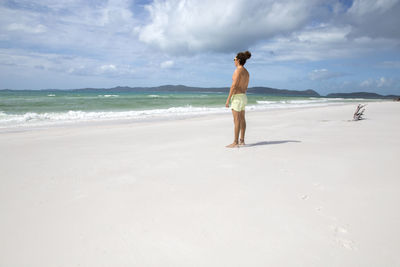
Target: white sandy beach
x=311 y=188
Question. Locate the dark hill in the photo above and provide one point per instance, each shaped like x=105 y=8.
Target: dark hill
x=282 y=92
x=359 y=95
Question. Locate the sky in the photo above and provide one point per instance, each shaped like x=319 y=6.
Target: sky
x=324 y=45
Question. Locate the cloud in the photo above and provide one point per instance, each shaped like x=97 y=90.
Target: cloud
x=369 y=7
x=187 y=27
x=390 y=64
x=78 y=27
x=375 y=19
x=109 y=67
x=324 y=74
x=75 y=65
x=193 y=26
x=285 y=30
x=380 y=83
x=322 y=42
x=26 y=28
x=310 y=44
x=167 y=64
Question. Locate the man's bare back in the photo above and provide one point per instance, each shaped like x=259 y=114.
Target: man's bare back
x=240 y=80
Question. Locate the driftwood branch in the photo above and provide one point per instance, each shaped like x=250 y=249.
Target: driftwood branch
x=359 y=112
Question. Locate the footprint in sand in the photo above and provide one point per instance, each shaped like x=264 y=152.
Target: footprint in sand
x=347 y=244
x=304 y=197
x=340 y=236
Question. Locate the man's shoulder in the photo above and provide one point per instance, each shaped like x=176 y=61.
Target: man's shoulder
x=241 y=71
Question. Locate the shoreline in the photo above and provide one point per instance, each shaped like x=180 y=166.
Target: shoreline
x=117 y=121
x=311 y=188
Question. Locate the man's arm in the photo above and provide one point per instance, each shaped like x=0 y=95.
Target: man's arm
x=235 y=81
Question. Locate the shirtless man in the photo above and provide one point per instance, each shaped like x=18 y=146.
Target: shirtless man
x=237 y=97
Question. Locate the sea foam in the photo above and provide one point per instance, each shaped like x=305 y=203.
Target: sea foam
x=40 y=119
x=108 y=95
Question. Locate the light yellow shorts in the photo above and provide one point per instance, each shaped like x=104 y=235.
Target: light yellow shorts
x=238 y=102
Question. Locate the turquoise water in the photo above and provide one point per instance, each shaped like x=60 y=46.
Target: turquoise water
x=26 y=108
x=15 y=102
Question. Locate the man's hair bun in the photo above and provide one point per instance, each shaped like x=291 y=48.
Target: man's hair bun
x=247 y=54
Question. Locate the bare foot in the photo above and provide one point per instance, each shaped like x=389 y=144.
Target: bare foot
x=241 y=143
x=232 y=145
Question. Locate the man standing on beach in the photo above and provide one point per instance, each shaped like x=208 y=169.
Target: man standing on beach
x=237 y=97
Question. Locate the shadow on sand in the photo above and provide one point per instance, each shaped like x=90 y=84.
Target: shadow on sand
x=264 y=143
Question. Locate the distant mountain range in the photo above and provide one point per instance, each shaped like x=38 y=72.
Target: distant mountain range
x=254 y=90
x=183 y=88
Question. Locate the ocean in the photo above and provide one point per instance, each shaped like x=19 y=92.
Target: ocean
x=31 y=108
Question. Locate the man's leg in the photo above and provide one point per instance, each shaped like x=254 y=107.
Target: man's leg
x=242 y=127
x=236 y=121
